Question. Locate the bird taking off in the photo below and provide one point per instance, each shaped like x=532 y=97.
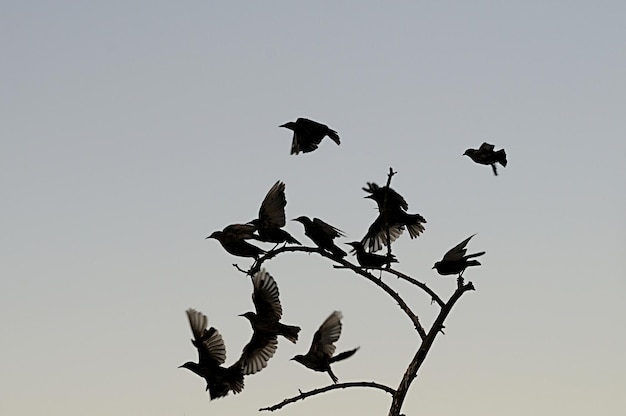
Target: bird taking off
x=392 y=218
x=272 y=217
x=485 y=155
x=265 y=323
x=320 y=354
x=455 y=261
x=211 y=355
x=308 y=134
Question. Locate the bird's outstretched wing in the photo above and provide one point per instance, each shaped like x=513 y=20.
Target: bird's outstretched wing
x=266 y=296
x=272 y=211
x=457 y=252
x=209 y=342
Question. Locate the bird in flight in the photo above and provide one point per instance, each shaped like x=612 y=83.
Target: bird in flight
x=486 y=155
x=265 y=322
x=320 y=354
x=308 y=134
x=211 y=355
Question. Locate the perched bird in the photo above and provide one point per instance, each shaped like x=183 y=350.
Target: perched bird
x=233 y=238
x=211 y=355
x=265 y=322
x=392 y=218
x=322 y=234
x=455 y=261
x=320 y=355
x=308 y=134
x=485 y=155
x=272 y=217
x=371 y=260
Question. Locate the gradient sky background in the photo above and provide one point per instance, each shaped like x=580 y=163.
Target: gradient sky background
x=130 y=130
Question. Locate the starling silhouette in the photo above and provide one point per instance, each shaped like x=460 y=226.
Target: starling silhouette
x=265 y=322
x=320 y=354
x=371 y=260
x=455 y=261
x=392 y=218
x=211 y=355
x=322 y=234
x=272 y=217
x=233 y=238
x=308 y=134
x=485 y=155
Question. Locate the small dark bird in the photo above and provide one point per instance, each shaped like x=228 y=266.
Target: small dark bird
x=211 y=354
x=322 y=234
x=320 y=355
x=308 y=134
x=392 y=218
x=485 y=155
x=272 y=217
x=371 y=260
x=455 y=261
x=233 y=237
x=265 y=322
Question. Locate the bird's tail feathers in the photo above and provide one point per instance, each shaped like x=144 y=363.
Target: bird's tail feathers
x=501 y=155
x=343 y=355
x=290 y=332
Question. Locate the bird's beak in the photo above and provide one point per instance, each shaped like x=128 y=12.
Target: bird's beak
x=433 y=267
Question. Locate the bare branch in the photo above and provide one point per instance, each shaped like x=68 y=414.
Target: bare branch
x=419 y=284
x=304 y=395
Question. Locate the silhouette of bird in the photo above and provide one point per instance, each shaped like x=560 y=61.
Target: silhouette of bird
x=265 y=322
x=272 y=217
x=308 y=134
x=322 y=234
x=392 y=217
x=233 y=237
x=455 y=261
x=211 y=354
x=320 y=354
x=370 y=260
x=485 y=155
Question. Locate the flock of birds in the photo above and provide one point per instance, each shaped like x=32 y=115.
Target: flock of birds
x=392 y=220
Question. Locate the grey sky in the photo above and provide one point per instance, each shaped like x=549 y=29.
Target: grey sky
x=129 y=131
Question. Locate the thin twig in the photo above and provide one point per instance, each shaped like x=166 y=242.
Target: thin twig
x=304 y=395
x=419 y=284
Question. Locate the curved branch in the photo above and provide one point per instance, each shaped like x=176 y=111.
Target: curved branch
x=304 y=395
x=403 y=305
x=419 y=284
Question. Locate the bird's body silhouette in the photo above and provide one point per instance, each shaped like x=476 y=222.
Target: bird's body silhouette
x=233 y=239
x=265 y=321
x=320 y=354
x=272 y=217
x=371 y=260
x=486 y=155
x=455 y=261
x=322 y=234
x=211 y=355
x=308 y=134
x=392 y=218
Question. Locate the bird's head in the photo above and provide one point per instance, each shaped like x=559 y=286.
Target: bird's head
x=216 y=235
x=469 y=152
x=299 y=358
x=250 y=316
x=289 y=125
x=189 y=365
x=302 y=219
x=436 y=265
x=356 y=245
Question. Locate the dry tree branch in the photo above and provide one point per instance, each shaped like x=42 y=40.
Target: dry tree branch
x=304 y=395
x=417 y=283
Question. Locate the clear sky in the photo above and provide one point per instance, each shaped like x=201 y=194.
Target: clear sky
x=130 y=130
